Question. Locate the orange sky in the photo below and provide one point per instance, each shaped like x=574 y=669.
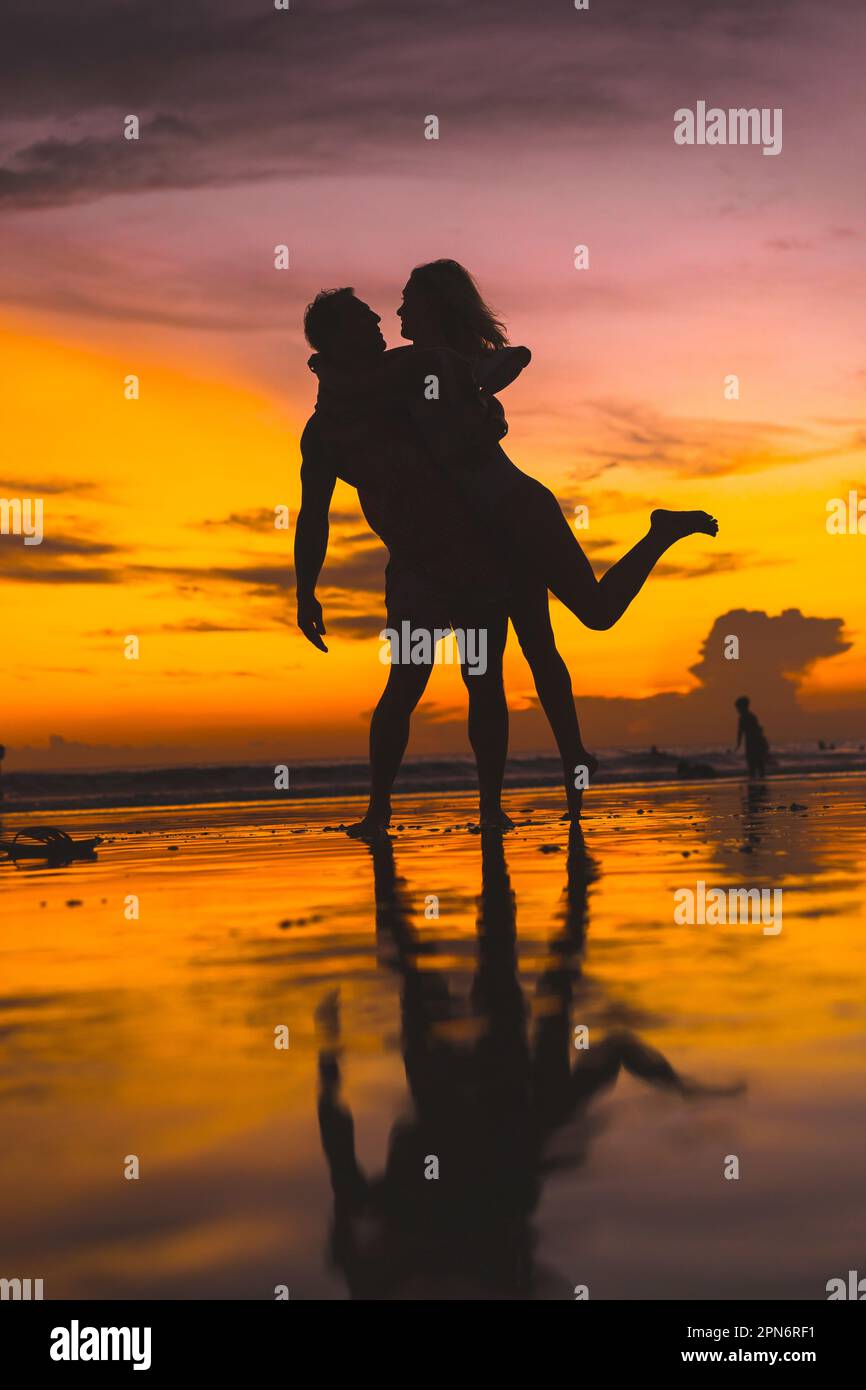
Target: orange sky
x=703 y=262
x=167 y=504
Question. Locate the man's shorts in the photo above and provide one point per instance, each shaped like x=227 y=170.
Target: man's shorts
x=428 y=602
x=419 y=592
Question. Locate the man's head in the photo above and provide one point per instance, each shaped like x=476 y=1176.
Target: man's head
x=342 y=327
x=742 y=704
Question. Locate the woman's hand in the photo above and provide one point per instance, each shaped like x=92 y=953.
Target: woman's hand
x=496 y=420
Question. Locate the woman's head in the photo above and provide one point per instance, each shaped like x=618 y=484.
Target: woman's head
x=442 y=307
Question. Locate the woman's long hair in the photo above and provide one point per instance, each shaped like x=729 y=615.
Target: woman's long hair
x=469 y=325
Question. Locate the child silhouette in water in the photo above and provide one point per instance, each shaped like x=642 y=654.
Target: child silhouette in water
x=750 y=731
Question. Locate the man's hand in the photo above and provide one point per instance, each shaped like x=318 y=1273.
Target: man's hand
x=311 y=621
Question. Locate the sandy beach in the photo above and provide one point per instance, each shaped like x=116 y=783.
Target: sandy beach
x=431 y=991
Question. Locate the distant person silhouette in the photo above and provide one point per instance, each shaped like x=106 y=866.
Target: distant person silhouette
x=750 y=733
x=2 y=756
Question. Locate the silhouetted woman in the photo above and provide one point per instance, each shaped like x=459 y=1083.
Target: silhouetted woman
x=447 y=381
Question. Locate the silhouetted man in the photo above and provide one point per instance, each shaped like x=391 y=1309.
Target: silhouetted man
x=440 y=573
x=750 y=732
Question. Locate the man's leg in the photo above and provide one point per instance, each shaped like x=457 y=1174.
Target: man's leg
x=530 y=616
x=389 y=735
x=488 y=713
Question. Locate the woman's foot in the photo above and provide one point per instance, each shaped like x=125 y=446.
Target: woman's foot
x=587 y=764
x=375 y=823
x=494 y=819
x=673 y=526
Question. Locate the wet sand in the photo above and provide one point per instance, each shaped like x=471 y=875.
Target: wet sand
x=448 y=1037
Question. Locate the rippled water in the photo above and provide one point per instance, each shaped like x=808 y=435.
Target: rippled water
x=417 y=1041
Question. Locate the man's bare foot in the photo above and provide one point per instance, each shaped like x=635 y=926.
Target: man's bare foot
x=495 y=820
x=673 y=526
x=374 y=825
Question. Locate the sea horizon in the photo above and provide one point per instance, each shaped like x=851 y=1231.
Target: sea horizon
x=315 y=778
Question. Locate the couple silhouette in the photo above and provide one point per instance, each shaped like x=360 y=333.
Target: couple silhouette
x=499 y=1092
x=473 y=541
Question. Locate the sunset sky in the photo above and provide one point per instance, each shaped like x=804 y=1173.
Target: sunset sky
x=306 y=127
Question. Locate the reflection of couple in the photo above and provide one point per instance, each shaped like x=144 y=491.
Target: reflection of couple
x=488 y=1110
x=473 y=541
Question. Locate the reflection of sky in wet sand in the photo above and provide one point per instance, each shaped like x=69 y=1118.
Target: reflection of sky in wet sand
x=155 y=1037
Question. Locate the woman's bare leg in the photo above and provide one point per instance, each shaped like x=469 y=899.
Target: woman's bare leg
x=531 y=519
x=530 y=617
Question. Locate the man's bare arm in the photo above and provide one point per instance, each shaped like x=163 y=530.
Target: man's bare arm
x=311 y=546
